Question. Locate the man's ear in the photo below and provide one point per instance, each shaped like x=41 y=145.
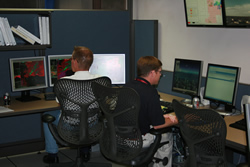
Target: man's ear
x=152 y=73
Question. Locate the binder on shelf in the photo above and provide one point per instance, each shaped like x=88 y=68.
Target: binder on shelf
x=40 y=29
x=4 y=33
x=47 y=30
x=9 y=32
x=6 y=30
x=27 y=33
x=1 y=39
x=31 y=41
x=44 y=32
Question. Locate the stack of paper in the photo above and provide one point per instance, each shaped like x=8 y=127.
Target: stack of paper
x=5 y=109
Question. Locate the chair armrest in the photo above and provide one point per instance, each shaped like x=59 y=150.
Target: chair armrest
x=48 y=118
x=159 y=131
x=147 y=153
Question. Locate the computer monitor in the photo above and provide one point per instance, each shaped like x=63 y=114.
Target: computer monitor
x=221 y=85
x=237 y=13
x=59 y=66
x=27 y=74
x=110 y=65
x=204 y=13
x=187 y=77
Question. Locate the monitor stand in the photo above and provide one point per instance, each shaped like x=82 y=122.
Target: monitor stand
x=25 y=97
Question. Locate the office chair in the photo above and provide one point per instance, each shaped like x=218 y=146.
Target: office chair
x=204 y=132
x=122 y=140
x=246 y=108
x=79 y=123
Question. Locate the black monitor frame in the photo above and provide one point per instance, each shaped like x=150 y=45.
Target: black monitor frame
x=25 y=91
x=229 y=20
x=203 y=24
x=229 y=105
x=56 y=57
x=236 y=20
x=199 y=68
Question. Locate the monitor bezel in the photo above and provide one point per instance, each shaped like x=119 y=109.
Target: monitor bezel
x=12 y=60
x=200 y=76
x=113 y=54
x=49 y=65
x=236 y=83
x=232 y=26
x=205 y=25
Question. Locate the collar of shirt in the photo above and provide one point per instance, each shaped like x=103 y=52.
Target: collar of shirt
x=139 y=79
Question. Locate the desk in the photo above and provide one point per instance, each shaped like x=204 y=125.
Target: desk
x=236 y=139
x=37 y=106
x=21 y=130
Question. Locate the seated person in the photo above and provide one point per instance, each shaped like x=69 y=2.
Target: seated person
x=82 y=59
x=151 y=114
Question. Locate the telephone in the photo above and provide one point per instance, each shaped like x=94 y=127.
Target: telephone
x=245 y=100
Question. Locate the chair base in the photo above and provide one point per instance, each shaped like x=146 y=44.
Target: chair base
x=74 y=164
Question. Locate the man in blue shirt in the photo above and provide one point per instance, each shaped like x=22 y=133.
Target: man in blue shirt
x=82 y=59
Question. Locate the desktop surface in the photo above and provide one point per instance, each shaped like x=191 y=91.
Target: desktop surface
x=30 y=107
x=236 y=138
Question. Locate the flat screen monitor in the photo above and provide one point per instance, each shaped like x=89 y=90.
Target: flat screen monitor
x=59 y=66
x=221 y=85
x=237 y=13
x=110 y=65
x=28 y=73
x=187 y=77
x=204 y=12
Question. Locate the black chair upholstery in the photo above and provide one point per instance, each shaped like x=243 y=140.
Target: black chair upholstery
x=246 y=108
x=79 y=123
x=204 y=132
x=122 y=140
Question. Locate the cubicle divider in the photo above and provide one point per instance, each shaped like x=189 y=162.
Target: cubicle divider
x=144 y=41
x=101 y=31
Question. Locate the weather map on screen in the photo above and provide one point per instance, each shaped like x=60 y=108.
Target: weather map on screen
x=28 y=73
x=59 y=66
x=204 y=12
x=237 y=13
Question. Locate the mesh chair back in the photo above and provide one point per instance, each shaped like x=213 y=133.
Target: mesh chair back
x=121 y=140
x=79 y=122
x=204 y=132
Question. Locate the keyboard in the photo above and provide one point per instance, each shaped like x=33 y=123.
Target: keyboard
x=50 y=96
x=241 y=124
x=167 y=107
